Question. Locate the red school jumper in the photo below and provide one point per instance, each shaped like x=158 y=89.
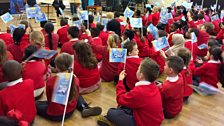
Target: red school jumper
x=34 y=70
x=188 y=44
x=63 y=34
x=131 y=67
x=104 y=36
x=7 y=38
x=55 y=39
x=187 y=79
x=145 y=101
x=67 y=47
x=55 y=109
x=87 y=77
x=108 y=70
x=208 y=72
x=19 y=96
x=172 y=92
x=97 y=41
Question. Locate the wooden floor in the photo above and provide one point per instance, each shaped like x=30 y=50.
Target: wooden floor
x=200 y=111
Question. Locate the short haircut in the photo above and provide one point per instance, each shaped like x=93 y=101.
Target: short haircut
x=162 y=33
x=150 y=69
x=195 y=30
x=185 y=54
x=73 y=31
x=100 y=26
x=213 y=42
x=129 y=46
x=114 y=25
x=95 y=32
x=91 y=19
x=116 y=14
x=200 y=16
x=176 y=63
x=63 y=22
x=63 y=61
x=209 y=27
x=129 y=33
x=29 y=50
x=12 y=70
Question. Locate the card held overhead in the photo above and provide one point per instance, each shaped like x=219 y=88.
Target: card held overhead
x=40 y=17
x=160 y=44
x=118 y=55
x=128 y=13
x=136 y=22
x=7 y=17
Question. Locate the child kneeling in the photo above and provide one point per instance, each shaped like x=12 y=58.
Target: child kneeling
x=140 y=106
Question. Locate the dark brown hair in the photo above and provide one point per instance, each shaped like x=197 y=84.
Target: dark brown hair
x=85 y=55
x=176 y=63
x=150 y=69
x=185 y=54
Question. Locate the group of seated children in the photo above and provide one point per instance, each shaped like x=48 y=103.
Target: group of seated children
x=141 y=98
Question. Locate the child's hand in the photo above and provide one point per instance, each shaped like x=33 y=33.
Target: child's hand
x=162 y=53
x=122 y=75
x=88 y=32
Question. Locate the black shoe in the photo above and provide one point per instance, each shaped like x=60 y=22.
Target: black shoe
x=91 y=111
x=103 y=121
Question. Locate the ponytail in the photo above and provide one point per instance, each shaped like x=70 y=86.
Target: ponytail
x=49 y=28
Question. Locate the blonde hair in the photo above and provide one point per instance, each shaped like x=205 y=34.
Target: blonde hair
x=113 y=40
x=3 y=52
x=110 y=15
x=38 y=37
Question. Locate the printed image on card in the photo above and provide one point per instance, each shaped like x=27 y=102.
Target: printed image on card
x=118 y=55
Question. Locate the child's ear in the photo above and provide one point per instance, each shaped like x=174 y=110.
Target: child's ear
x=129 y=53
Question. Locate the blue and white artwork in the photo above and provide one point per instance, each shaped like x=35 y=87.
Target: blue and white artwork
x=193 y=37
x=32 y=12
x=173 y=4
x=153 y=30
x=62 y=12
x=7 y=17
x=84 y=15
x=187 y=5
x=163 y=16
x=12 y=28
x=44 y=54
x=202 y=46
x=128 y=13
x=97 y=18
x=215 y=17
x=148 y=6
x=160 y=44
x=62 y=88
x=41 y=17
x=136 y=22
x=77 y=23
x=118 y=55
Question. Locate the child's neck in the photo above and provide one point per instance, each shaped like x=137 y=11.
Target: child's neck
x=172 y=75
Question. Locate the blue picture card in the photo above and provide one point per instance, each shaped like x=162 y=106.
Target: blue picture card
x=128 y=13
x=7 y=17
x=77 y=23
x=173 y=4
x=153 y=30
x=193 y=37
x=118 y=55
x=160 y=44
x=32 y=12
x=202 y=46
x=136 y=22
x=62 y=88
x=97 y=18
x=41 y=17
x=105 y=21
x=12 y=28
x=187 y=5
x=84 y=15
x=215 y=17
x=62 y=12
x=222 y=14
x=44 y=54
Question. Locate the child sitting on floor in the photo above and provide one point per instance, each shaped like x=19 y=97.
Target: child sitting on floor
x=143 y=101
x=62 y=32
x=54 y=111
x=18 y=93
x=172 y=88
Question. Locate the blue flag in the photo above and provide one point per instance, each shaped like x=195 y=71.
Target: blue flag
x=193 y=37
x=215 y=17
x=77 y=23
x=7 y=17
x=222 y=14
x=40 y=17
x=128 y=13
x=169 y=16
x=97 y=18
x=44 y=54
x=136 y=22
x=13 y=27
x=118 y=55
x=32 y=12
x=173 y=4
x=160 y=44
x=153 y=30
x=62 y=88
x=163 y=16
x=84 y=15
x=202 y=46
x=62 y=12
x=187 y=5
